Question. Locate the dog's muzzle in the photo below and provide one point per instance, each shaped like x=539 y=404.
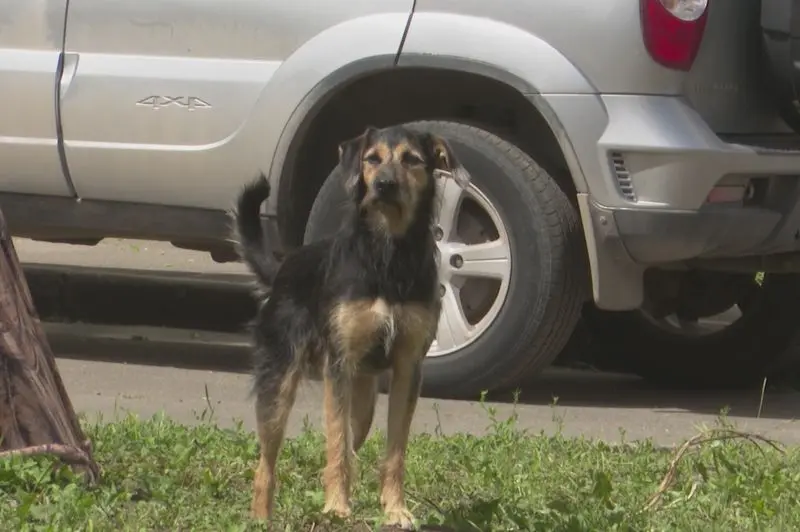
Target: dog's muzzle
x=386 y=188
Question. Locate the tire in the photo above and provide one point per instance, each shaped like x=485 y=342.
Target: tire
x=739 y=356
x=546 y=284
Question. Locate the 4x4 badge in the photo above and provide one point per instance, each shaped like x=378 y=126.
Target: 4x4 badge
x=190 y=103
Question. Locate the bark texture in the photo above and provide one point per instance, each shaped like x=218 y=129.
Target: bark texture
x=36 y=415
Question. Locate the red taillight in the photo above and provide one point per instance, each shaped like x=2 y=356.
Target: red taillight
x=673 y=30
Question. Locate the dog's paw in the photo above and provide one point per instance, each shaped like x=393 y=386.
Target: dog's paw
x=399 y=518
x=338 y=508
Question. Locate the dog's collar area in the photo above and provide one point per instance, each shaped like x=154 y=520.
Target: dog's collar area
x=439 y=173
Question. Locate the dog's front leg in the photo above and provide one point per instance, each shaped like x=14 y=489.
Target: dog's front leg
x=339 y=441
x=403 y=394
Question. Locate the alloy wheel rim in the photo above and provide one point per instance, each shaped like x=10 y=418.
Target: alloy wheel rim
x=474 y=266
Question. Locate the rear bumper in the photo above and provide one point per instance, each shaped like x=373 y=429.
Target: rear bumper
x=658 y=237
x=645 y=166
x=624 y=242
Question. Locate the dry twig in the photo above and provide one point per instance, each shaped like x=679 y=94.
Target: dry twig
x=66 y=453
x=705 y=437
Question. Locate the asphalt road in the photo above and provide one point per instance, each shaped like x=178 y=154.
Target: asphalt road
x=610 y=407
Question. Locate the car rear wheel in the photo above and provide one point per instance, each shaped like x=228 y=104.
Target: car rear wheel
x=511 y=265
x=735 y=345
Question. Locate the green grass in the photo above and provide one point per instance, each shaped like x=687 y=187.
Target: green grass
x=159 y=475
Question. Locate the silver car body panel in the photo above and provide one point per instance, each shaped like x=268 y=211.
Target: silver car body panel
x=31 y=37
x=178 y=103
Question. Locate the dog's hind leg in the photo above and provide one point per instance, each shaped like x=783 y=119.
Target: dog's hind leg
x=404 y=392
x=275 y=395
x=338 y=384
x=364 y=395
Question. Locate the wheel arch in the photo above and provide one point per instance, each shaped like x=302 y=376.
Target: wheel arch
x=422 y=87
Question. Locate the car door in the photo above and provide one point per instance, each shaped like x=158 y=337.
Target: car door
x=159 y=90
x=31 y=38
x=155 y=109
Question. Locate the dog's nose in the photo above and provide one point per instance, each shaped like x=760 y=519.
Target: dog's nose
x=385 y=186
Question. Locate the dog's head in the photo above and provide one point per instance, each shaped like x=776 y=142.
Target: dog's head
x=392 y=173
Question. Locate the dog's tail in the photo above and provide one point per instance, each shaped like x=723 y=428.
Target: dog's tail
x=253 y=246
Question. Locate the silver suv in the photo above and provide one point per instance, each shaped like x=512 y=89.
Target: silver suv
x=633 y=153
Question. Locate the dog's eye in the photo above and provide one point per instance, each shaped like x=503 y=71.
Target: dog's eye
x=411 y=159
x=373 y=158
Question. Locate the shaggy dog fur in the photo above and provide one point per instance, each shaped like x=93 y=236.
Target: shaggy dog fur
x=347 y=309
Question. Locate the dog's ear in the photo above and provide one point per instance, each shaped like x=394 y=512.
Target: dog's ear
x=350 y=154
x=445 y=162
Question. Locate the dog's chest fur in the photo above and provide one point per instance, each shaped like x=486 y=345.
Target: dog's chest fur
x=374 y=331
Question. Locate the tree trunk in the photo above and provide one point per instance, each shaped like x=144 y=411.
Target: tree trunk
x=36 y=415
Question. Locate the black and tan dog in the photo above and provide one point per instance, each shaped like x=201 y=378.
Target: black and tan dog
x=349 y=308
